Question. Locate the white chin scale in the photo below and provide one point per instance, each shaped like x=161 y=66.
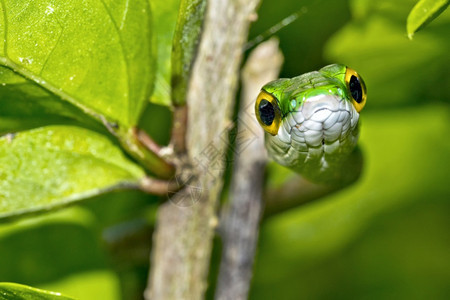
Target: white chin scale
x=323 y=125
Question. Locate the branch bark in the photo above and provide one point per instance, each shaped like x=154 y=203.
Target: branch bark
x=183 y=237
x=240 y=219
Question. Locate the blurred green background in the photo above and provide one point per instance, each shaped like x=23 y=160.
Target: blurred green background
x=387 y=236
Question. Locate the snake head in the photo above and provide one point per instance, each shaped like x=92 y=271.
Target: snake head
x=313 y=116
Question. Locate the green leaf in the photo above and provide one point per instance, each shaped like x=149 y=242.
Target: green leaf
x=423 y=13
x=91 y=285
x=187 y=35
x=23 y=100
x=14 y=291
x=55 y=165
x=96 y=55
x=165 y=14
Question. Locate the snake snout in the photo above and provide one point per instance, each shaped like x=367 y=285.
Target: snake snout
x=321 y=122
x=315 y=107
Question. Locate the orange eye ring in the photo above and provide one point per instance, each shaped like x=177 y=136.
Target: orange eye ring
x=356 y=88
x=268 y=112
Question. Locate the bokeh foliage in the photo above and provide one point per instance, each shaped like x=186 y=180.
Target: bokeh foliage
x=385 y=236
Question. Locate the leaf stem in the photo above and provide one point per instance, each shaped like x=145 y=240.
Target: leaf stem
x=139 y=145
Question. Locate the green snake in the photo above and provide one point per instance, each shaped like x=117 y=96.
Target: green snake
x=311 y=123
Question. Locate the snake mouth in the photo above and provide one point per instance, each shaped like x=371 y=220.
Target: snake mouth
x=323 y=122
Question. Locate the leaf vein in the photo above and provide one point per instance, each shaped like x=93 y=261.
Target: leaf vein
x=6 y=26
x=123 y=54
x=125 y=12
x=54 y=47
x=21 y=11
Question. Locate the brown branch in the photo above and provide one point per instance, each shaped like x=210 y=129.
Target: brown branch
x=159 y=187
x=240 y=219
x=183 y=237
x=178 y=137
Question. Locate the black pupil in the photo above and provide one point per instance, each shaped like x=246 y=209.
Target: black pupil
x=266 y=112
x=355 y=88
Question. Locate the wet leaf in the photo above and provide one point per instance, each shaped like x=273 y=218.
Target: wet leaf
x=14 y=291
x=55 y=165
x=423 y=13
x=32 y=106
x=96 y=55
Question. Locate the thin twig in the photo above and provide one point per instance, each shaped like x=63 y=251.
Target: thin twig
x=239 y=224
x=159 y=187
x=147 y=141
x=146 y=151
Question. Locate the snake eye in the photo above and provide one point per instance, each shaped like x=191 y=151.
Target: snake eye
x=357 y=88
x=268 y=112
